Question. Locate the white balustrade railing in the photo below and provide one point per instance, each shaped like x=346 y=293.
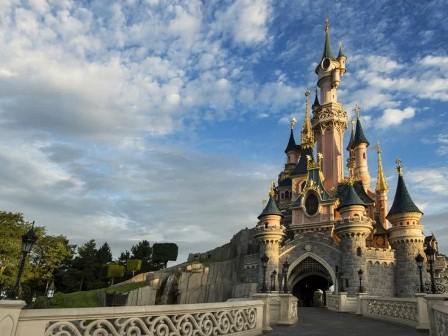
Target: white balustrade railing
x=439 y=320
x=207 y=319
x=404 y=311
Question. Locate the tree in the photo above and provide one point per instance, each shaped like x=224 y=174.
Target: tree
x=164 y=252
x=104 y=255
x=142 y=250
x=133 y=265
x=114 y=271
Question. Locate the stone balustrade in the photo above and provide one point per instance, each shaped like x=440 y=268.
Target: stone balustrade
x=439 y=320
x=401 y=310
x=217 y=319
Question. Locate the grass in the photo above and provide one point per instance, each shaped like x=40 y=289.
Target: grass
x=85 y=299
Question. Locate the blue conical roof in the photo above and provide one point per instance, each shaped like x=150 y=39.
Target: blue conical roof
x=351 y=197
x=292 y=146
x=403 y=202
x=359 y=135
x=271 y=208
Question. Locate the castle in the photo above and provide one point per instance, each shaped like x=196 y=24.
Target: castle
x=322 y=227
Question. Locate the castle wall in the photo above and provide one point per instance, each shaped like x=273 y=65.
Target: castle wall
x=380 y=271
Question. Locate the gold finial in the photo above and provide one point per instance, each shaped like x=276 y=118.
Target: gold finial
x=272 y=189
x=357 y=110
x=307 y=130
x=399 y=166
x=292 y=122
x=381 y=182
x=327 y=24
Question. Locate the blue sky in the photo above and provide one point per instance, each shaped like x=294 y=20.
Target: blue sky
x=166 y=120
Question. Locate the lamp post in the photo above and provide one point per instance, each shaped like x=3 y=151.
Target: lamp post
x=264 y=264
x=360 y=272
x=28 y=240
x=430 y=256
x=336 y=285
x=419 y=260
x=285 y=276
x=50 y=292
x=273 y=276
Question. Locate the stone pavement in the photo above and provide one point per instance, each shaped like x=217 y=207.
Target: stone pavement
x=321 y=321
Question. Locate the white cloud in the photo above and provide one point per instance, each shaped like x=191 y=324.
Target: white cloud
x=442 y=140
x=246 y=20
x=393 y=117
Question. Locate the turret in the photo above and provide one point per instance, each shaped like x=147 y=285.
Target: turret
x=269 y=233
x=381 y=190
x=360 y=144
x=292 y=151
x=353 y=230
x=405 y=236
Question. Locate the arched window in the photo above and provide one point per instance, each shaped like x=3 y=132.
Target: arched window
x=358 y=252
x=287 y=194
x=363 y=155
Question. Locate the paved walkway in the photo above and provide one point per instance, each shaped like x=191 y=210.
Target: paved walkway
x=321 y=321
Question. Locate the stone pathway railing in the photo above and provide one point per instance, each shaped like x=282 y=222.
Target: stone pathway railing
x=424 y=311
x=218 y=319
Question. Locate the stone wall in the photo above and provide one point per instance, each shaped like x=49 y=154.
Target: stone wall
x=381 y=278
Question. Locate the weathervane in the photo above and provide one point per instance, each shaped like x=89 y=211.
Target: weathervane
x=293 y=122
x=378 y=148
x=272 y=189
x=357 y=110
x=327 y=24
x=399 y=166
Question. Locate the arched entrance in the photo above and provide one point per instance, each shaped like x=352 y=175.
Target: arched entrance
x=309 y=278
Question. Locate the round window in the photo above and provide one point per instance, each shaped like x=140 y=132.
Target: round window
x=311 y=204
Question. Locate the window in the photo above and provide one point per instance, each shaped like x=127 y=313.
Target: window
x=311 y=204
x=363 y=155
x=358 y=252
x=287 y=194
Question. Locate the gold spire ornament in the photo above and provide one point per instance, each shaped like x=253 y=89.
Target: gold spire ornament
x=272 y=189
x=381 y=182
x=307 y=130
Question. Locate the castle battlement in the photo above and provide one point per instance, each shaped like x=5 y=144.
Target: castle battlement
x=380 y=255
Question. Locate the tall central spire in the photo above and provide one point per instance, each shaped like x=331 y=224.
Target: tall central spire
x=327 y=46
x=381 y=183
x=307 y=130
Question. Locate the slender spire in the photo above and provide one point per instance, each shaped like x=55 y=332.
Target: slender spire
x=327 y=46
x=403 y=202
x=359 y=133
x=341 y=52
x=292 y=146
x=307 y=130
x=381 y=183
x=352 y=136
x=316 y=100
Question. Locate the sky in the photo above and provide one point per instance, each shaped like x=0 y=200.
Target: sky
x=166 y=120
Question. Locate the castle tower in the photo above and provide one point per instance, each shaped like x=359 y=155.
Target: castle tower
x=269 y=233
x=360 y=144
x=292 y=150
x=353 y=230
x=381 y=190
x=406 y=237
x=330 y=119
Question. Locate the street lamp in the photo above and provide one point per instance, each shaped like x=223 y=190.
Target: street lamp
x=264 y=264
x=360 y=272
x=273 y=276
x=28 y=240
x=430 y=256
x=419 y=260
x=285 y=276
x=50 y=292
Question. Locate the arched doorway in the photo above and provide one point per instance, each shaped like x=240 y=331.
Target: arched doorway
x=309 y=279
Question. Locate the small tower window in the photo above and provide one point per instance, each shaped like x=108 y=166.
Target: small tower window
x=363 y=155
x=358 y=252
x=287 y=194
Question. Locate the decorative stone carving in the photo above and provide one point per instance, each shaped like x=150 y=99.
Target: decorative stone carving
x=223 y=322
x=441 y=323
x=398 y=310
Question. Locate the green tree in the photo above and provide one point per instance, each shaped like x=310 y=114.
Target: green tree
x=114 y=271
x=133 y=266
x=142 y=250
x=104 y=255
